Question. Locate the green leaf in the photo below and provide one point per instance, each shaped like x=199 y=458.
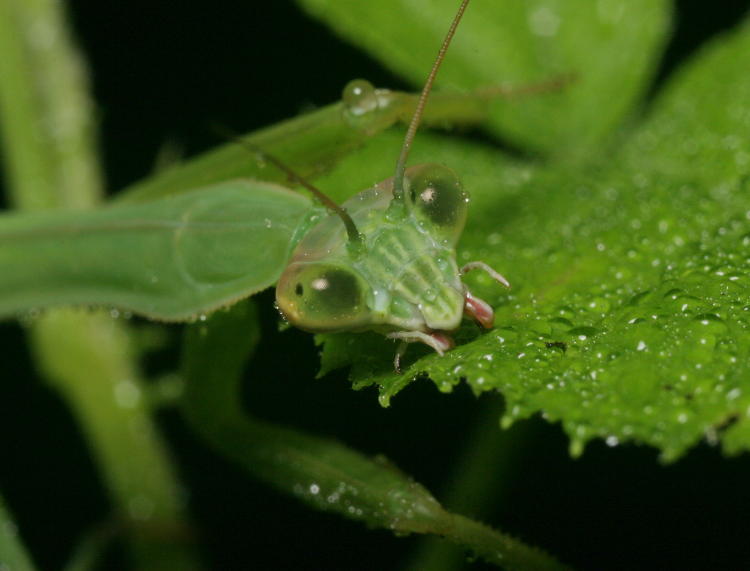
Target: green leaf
x=698 y=128
x=610 y=46
x=629 y=317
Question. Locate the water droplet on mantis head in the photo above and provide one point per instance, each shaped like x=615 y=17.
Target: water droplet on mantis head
x=359 y=97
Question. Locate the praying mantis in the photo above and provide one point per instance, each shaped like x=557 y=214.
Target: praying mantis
x=383 y=261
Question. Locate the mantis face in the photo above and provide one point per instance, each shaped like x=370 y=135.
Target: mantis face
x=397 y=271
x=402 y=281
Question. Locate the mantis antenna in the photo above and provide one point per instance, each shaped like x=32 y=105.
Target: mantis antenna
x=351 y=229
x=398 y=180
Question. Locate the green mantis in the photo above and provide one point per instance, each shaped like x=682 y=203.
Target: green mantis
x=397 y=272
x=389 y=267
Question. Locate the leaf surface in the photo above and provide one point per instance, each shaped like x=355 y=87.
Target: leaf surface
x=611 y=47
x=629 y=317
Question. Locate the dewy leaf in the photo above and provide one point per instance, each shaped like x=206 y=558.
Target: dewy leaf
x=699 y=129
x=629 y=317
x=610 y=46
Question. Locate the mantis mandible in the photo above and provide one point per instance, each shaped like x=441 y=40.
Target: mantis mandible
x=389 y=267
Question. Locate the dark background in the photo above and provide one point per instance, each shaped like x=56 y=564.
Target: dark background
x=162 y=72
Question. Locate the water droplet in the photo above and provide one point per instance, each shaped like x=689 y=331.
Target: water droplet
x=544 y=22
x=359 y=97
x=709 y=325
x=445 y=387
x=584 y=332
x=688 y=303
x=127 y=394
x=576 y=446
x=599 y=305
x=734 y=394
x=673 y=293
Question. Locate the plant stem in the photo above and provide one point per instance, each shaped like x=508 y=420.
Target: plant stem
x=13 y=555
x=500 y=549
x=325 y=474
x=479 y=480
x=88 y=359
x=51 y=163
x=47 y=117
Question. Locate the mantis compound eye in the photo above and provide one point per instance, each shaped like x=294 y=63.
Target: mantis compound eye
x=322 y=297
x=438 y=199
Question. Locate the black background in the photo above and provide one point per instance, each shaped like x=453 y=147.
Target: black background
x=162 y=72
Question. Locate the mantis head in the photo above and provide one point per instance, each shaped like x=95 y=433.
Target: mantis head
x=397 y=272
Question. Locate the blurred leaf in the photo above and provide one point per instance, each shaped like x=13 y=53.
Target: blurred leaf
x=611 y=46
x=698 y=128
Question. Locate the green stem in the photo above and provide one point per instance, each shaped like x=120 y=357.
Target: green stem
x=323 y=473
x=478 y=482
x=47 y=125
x=88 y=358
x=13 y=555
x=502 y=550
x=51 y=164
